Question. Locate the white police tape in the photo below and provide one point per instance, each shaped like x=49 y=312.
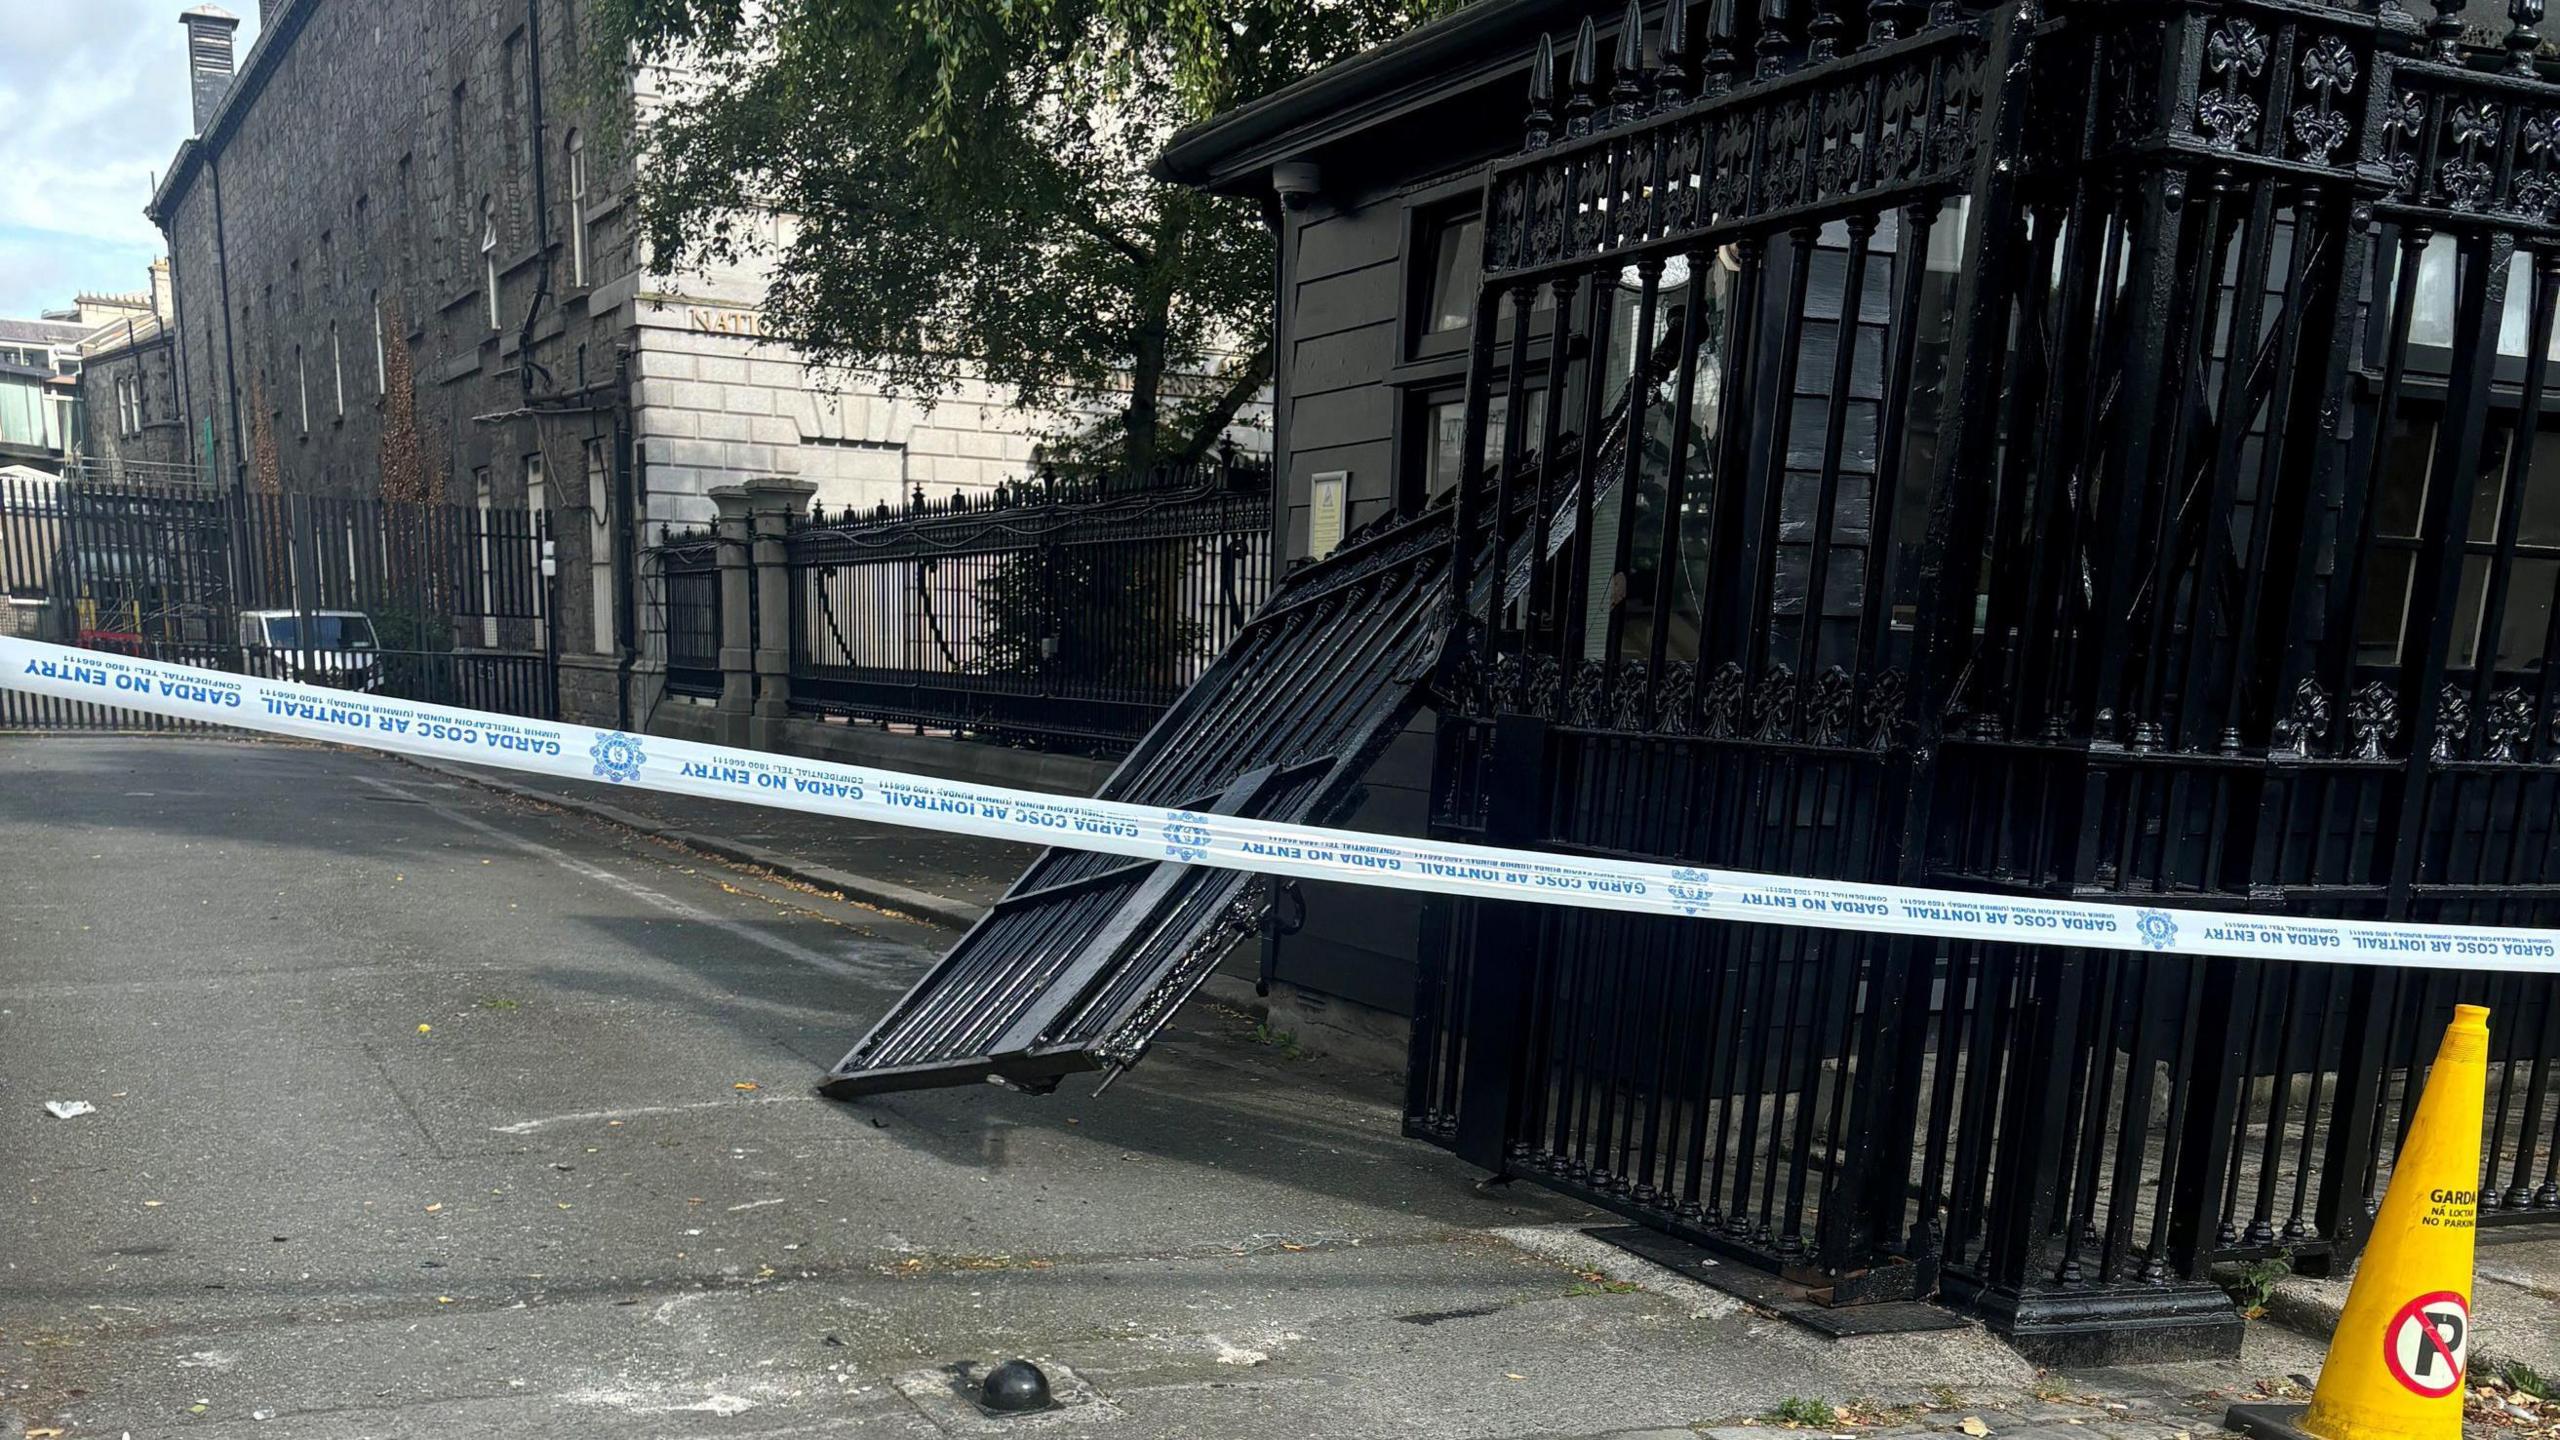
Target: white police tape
x=1147 y=832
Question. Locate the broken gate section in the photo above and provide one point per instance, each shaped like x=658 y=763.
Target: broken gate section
x=1088 y=954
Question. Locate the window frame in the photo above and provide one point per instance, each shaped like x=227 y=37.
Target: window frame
x=1427 y=222
x=489 y=260
x=576 y=146
x=2422 y=405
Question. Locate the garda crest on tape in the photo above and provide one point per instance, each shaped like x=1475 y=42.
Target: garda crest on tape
x=618 y=757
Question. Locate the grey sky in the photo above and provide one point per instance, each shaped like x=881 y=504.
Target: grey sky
x=95 y=95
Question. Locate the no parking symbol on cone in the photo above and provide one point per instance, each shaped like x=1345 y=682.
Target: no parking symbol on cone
x=2425 y=1342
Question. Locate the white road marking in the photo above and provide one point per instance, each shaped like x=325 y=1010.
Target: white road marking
x=814 y=959
x=544 y=1122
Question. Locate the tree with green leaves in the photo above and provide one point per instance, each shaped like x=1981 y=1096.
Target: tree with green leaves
x=963 y=189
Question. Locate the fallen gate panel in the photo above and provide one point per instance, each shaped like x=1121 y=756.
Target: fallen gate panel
x=1088 y=954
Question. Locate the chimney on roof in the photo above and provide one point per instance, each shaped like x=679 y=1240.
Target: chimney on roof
x=208 y=57
x=164 y=300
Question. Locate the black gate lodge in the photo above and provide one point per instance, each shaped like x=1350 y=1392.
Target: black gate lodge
x=2057 y=448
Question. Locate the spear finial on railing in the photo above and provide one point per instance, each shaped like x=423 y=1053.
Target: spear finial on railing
x=1889 y=20
x=1541 y=124
x=1777 y=20
x=1626 y=94
x=1671 y=77
x=2524 y=39
x=1722 y=64
x=1583 y=88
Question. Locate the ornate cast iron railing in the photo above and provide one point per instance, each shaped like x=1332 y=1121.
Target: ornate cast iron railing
x=1065 y=612
x=2019 y=466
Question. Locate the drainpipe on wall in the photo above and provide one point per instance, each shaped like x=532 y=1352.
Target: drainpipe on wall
x=525 y=367
x=626 y=549
x=230 y=363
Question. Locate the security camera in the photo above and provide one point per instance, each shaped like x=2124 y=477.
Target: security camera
x=1298 y=183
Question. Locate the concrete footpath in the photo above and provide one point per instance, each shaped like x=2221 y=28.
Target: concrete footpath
x=949 y=880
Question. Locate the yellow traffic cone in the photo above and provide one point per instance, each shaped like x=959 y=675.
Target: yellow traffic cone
x=2396 y=1358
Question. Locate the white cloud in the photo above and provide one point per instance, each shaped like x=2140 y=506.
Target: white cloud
x=97 y=99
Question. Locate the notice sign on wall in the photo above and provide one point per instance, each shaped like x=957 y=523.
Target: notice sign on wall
x=1327 y=501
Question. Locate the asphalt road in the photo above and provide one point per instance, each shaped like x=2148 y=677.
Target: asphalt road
x=424 y=1111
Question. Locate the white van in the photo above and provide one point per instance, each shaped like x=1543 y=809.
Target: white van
x=339 y=651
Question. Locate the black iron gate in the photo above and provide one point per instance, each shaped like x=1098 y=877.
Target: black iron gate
x=137 y=569
x=443 y=603
x=2083 y=449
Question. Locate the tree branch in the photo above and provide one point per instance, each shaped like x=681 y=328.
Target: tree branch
x=1093 y=225
x=1217 y=411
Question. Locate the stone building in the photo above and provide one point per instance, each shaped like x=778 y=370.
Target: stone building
x=402 y=248
x=133 y=425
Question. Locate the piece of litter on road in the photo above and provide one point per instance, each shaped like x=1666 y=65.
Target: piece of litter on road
x=746 y=1085
x=753 y=1205
x=153 y=1204
x=69 y=1109
x=1972 y=1425
x=444 y=1299
x=262 y=1414
x=435 y=1207
x=424 y=1029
